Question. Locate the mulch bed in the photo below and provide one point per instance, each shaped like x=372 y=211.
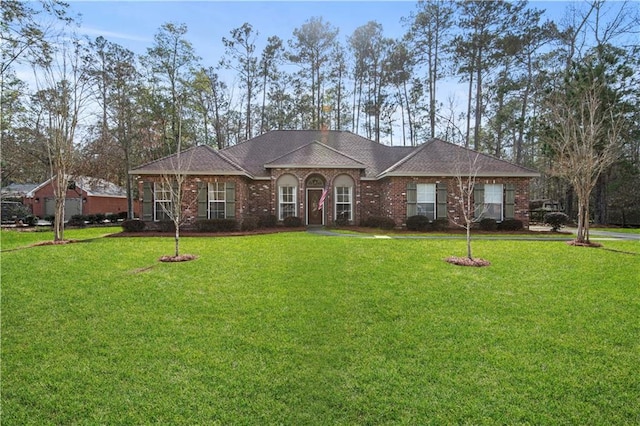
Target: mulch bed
x=465 y=261
x=206 y=234
x=579 y=244
x=181 y=258
x=54 y=243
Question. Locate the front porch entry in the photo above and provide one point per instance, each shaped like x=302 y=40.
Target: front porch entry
x=315 y=186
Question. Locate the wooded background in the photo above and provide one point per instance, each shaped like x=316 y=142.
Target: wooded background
x=560 y=97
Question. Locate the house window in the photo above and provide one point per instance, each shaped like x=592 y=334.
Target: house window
x=343 y=203
x=162 y=201
x=426 y=200
x=287 y=201
x=493 y=194
x=217 y=200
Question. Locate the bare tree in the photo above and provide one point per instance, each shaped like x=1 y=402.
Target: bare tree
x=466 y=175
x=173 y=182
x=63 y=91
x=584 y=138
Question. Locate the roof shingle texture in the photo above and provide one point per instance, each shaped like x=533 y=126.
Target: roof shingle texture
x=333 y=149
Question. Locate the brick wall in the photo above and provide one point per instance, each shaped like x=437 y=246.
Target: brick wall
x=385 y=197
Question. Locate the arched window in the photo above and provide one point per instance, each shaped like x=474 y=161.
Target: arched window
x=343 y=199
x=287 y=196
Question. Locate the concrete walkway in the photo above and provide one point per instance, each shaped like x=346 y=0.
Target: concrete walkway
x=566 y=235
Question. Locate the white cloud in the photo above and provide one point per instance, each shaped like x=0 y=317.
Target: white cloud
x=95 y=32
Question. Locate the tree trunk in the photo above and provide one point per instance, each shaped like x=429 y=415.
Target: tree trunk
x=177 y=238
x=469 y=240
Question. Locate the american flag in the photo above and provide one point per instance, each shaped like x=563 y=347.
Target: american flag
x=322 y=197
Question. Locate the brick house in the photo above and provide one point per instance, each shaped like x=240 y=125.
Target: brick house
x=285 y=173
x=85 y=196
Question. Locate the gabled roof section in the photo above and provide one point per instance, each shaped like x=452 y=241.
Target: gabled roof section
x=315 y=155
x=254 y=154
x=199 y=160
x=439 y=158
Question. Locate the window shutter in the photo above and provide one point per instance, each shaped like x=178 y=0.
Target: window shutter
x=203 y=195
x=509 y=201
x=478 y=200
x=412 y=199
x=147 y=201
x=230 y=206
x=441 y=201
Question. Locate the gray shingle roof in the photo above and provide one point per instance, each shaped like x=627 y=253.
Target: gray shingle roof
x=439 y=158
x=202 y=160
x=255 y=153
x=315 y=155
x=333 y=149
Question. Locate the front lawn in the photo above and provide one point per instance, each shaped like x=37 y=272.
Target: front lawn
x=296 y=328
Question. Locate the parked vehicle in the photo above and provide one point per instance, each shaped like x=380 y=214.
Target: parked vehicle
x=538 y=208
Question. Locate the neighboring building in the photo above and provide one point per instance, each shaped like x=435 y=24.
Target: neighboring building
x=17 y=191
x=85 y=196
x=284 y=173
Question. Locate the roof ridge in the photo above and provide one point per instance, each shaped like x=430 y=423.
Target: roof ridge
x=493 y=157
x=226 y=158
x=407 y=157
x=315 y=142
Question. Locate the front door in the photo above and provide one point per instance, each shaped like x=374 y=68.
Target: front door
x=314 y=215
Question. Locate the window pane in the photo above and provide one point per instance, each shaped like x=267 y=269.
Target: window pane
x=493 y=211
x=426 y=199
x=217 y=199
x=493 y=194
x=493 y=201
x=217 y=210
x=426 y=209
x=426 y=193
x=217 y=191
x=343 y=202
x=287 y=201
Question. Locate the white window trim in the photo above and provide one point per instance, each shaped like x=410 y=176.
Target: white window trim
x=160 y=188
x=350 y=202
x=212 y=188
x=281 y=201
x=426 y=197
x=490 y=197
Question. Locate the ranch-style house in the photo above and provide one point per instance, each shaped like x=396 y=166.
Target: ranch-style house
x=320 y=176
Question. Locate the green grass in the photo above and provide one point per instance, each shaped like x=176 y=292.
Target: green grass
x=302 y=329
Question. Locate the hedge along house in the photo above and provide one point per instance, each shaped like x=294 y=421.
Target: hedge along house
x=286 y=173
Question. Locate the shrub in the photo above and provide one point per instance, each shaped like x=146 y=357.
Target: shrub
x=418 y=223
x=268 y=221
x=556 y=220
x=292 y=221
x=167 y=226
x=100 y=218
x=342 y=219
x=31 y=220
x=216 y=225
x=77 y=220
x=382 y=222
x=91 y=218
x=133 y=225
x=441 y=224
x=50 y=218
x=249 y=223
x=510 y=225
x=488 y=224
x=113 y=218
